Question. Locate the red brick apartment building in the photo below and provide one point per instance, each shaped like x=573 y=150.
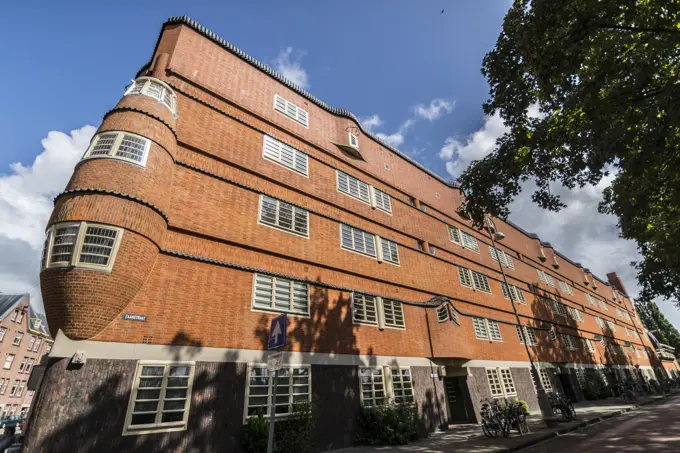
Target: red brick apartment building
x=24 y=340
x=215 y=195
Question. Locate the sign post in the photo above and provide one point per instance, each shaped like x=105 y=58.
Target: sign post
x=277 y=340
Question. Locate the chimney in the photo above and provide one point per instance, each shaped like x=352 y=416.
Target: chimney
x=616 y=282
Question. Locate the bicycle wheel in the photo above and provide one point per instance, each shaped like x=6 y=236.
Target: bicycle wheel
x=572 y=410
x=486 y=430
x=522 y=425
x=506 y=426
x=490 y=429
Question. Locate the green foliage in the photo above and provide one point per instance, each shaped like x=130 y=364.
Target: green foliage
x=594 y=388
x=388 y=424
x=587 y=89
x=293 y=434
x=658 y=325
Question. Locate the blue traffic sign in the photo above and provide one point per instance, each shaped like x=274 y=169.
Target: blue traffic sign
x=277 y=332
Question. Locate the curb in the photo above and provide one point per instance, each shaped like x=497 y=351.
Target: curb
x=581 y=425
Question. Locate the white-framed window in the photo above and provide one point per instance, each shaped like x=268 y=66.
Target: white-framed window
x=161 y=397
x=612 y=326
x=599 y=321
x=30 y=342
x=353 y=140
x=382 y=200
x=591 y=300
x=423 y=207
x=603 y=305
x=556 y=307
x=393 y=313
x=454 y=234
x=14 y=388
x=505 y=259
x=470 y=242
x=280 y=295
x=473 y=279
x=516 y=293
x=588 y=344
x=291 y=110
x=487 y=329
x=36 y=346
x=628 y=334
x=545 y=277
x=372 y=386
x=293 y=385
x=22 y=365
x=17 y=338
x=8 y=361
x=156 y=89
x=118 y=145
x=285 y=155
x=284 y=216
x=353 y=187
x=569 y=342
x=501 y=383
x=389 y=251
x=545 y=380
x=580 y=375
x=364 y=309
x=20 y=316
x=357 y=240
x=3 y=331
x=3 y=385
x=21 y=387
x=443 y=313
x=82 y=245
x=529 y=333
x=402 y=385
x=565 y=287
x=29 y=365
x=575 y=314
x=553 y=333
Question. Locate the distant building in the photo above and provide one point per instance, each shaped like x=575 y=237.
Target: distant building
x=24 y=340
x=217 y=195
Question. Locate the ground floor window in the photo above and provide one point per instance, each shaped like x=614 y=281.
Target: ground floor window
x=372 y=386
x=501 y=383
x=402 y=385
x=161 y=396
x=545 y=380
x=292 y=386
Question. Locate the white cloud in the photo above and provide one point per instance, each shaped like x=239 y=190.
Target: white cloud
x=577 y=231
x=397 y=138
x=26 y=195
x=477 y=145
x=371 y=122
x=288 y=65
x=435 y=110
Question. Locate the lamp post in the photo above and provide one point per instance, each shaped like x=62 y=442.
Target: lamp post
x=543 y=402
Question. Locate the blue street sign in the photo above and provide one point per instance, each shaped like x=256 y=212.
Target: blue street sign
x=277 y=332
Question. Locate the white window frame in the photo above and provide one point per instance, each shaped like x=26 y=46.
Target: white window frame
x=18 y=336
x=545 y=277
x=295 y=210
x=443 y=313
x=388 y=313
x=113 y=151
x=387 y=250
x=273 y=308
x=611 y=326
x=166 y=95
x=575 y=313
x=489 y=332
x=396 y=313
x=529 y=333
x=353 y=140
x=397 y=375
x=603 y=305
x=590 y=347
x=556 y=308
x=302 y=120
x=516 y=293
x=564 y=286
x=500 y=376
x=467 y=279
x=78 y=246
x=380 y=200
x=569 y=342
x=270 y=388
x=545 y=380
x=365 y=236
x=599 y=321
x=498 y=254
x=469 y=242
x=365 y=301
x=348 y=180
x=591 y=300
x=273 y=150
x=9 y=361
x=454 y=235
x=373 y=390
x=157 y=426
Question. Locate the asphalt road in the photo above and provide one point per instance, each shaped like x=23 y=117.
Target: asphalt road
x=652 y=429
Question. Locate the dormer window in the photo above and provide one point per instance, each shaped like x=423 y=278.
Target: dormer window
x=353 y=141
x=154 y=88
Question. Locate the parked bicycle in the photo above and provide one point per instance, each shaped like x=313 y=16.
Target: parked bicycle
x=626 y=393
x=491 y=417
x=561 y=404
x=504 y=416
x=515 y=418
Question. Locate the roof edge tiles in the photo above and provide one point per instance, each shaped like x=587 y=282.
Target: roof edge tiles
x=185 y=20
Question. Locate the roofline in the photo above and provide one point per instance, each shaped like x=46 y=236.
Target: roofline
x=189 y=22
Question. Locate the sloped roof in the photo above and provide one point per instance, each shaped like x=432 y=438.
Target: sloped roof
x=9 y=301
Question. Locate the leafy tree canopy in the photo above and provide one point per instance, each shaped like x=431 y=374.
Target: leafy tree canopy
x=658 y=325
x=589 y=87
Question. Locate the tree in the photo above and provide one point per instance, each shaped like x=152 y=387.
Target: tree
x=588 y=88
x=658 y=325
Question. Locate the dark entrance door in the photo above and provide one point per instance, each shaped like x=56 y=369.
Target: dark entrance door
x=454 y=397
x=567 y=387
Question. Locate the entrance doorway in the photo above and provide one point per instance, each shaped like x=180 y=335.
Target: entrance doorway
x=567 y=387
x=454 y=397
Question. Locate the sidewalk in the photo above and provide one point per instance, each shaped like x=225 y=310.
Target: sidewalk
x=469 y=437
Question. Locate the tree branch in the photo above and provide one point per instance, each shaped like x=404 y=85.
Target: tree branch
x=639 y=29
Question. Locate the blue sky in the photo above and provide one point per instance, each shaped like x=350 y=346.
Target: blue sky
x=404 y=62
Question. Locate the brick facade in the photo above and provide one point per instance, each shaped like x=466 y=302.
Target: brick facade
x=192 y=243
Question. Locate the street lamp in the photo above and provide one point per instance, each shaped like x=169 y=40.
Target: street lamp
x=543 y=402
